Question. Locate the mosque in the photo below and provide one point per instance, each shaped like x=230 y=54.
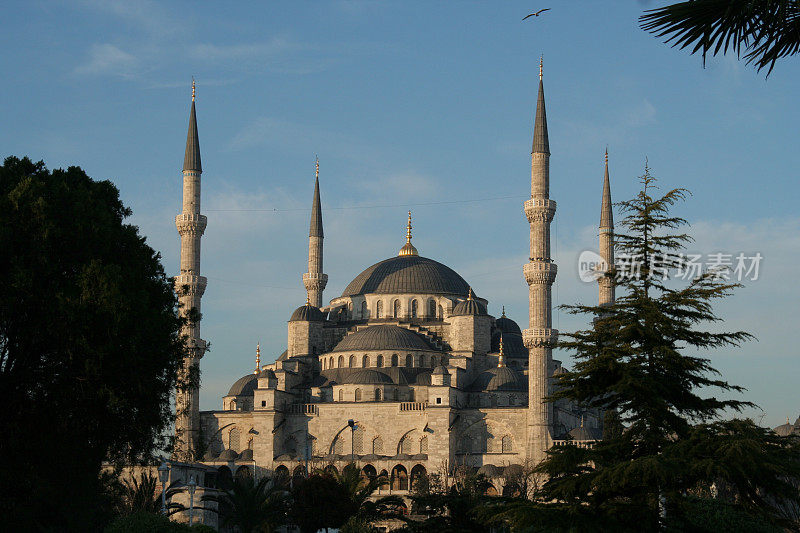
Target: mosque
x=403 y=373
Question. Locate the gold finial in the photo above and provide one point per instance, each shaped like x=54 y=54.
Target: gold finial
x=504 y=313
x=541 y=62
x=258 y=357
x=501 y=360
x=308 y=299
x=581 y=420
x=408 y=248
x=470 y=294
x=606 y=155
x=193 y=89
x=317 y=167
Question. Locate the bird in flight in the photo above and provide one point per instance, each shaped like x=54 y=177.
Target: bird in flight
x=537 y=13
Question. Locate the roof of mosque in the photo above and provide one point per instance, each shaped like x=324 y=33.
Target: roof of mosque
x=307 y=313
x=245 y=385
x=499 y=379
x=408 y=274
x=382 y=337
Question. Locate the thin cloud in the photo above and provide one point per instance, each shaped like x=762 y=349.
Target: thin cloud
x=108 y=59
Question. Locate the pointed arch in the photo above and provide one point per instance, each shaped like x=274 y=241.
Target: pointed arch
x=399 y=478
x=341 y=361
x=358 y=395
x=379 y=309
x=380 y=361
x=414 y=308
x=432 y=308
x=377 y=445
x=423 y=444
x=396 y=309
x=409 y=361
x=395 y=360
x=364 y=310
x=351 y=363
x=365 y=361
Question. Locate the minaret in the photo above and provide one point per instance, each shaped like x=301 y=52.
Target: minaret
x=540 y=272
x=190 y=286
x=314 y=280
x=605 y=282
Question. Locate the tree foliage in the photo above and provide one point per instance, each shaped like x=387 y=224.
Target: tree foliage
x=641 y=361
x=764 y=30
x=253 y=506
x=89 y=342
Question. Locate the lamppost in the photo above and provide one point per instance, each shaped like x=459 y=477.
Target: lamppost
x=163 y=476
x=192 y=486
x=352 y=424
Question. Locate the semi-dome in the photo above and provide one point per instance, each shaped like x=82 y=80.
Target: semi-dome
x=408 y=274
x=503 y=379
x=367 y=377
x=244 y=386
x=382 y=338
x=307 y=313
x=227 y=455
x=267 y=374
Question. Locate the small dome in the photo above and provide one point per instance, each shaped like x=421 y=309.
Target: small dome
x=307 y=313
x=440 y=371
x=506 y=325
x=499 y=379
x=367 y=377
x=582 y=433
x=513 y=470
x=267 y=374
x=246 y=455
x=209 y=456
x=469 y=307
x=227 y=455
x=490 y=471
x=382 y=338
x=244 y=386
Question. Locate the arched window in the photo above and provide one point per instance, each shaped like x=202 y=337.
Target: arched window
x=396 y=309
x=330 y=363
x=364 y=310
x=282 y=473
x=414 y=308
x=352 y=362
x=441 y=312
x=394 y=359
x=365 y=361
x=384 y=475
x=358 y=440
x=233 y=439
x=341 y=361
x=432 y=308
x=324 y=364
x=338 y=446
x=434 y=361
x=341 y=395
x=379 y=309
x=406 y=446
x=409 y=360
x=358 y=395
x=507 y=445
x=377 y=395
x=224 y=477
x=395 y=395
x=399 y=478
x=377 y=445
x=423 y=444
x=380 y=361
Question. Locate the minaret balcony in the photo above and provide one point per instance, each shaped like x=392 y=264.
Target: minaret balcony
x=190 y=224
x=538 y=337
x=191 y=283
x=540 y=272
x=315 y=280
x=542 y=209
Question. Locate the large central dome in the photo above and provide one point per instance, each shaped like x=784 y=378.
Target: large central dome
x=408 y=274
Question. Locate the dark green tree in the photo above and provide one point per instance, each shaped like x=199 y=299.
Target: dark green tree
x=89 y=344
x=641 y=361
x=253 y=506
x=452 y=509
x=142 y=494
x=763 y=30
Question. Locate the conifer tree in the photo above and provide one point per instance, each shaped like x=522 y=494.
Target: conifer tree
x=641 y=362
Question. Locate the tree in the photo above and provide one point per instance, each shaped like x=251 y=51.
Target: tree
x=141 y=494
x=454 y=509
x=639 y=361
x=253 y=506
x=765 y=30
x=89 y=343
x=329 y=499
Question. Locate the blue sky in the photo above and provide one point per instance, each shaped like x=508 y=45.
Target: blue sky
x=412 y=105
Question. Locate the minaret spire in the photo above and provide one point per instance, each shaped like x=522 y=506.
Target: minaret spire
x=190 y=286
x=606 y=285
x=501 y=360
x=540 y=273
x=258 y=358
x=314 y=280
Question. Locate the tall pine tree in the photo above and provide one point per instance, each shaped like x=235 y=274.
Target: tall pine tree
x=641 y=361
